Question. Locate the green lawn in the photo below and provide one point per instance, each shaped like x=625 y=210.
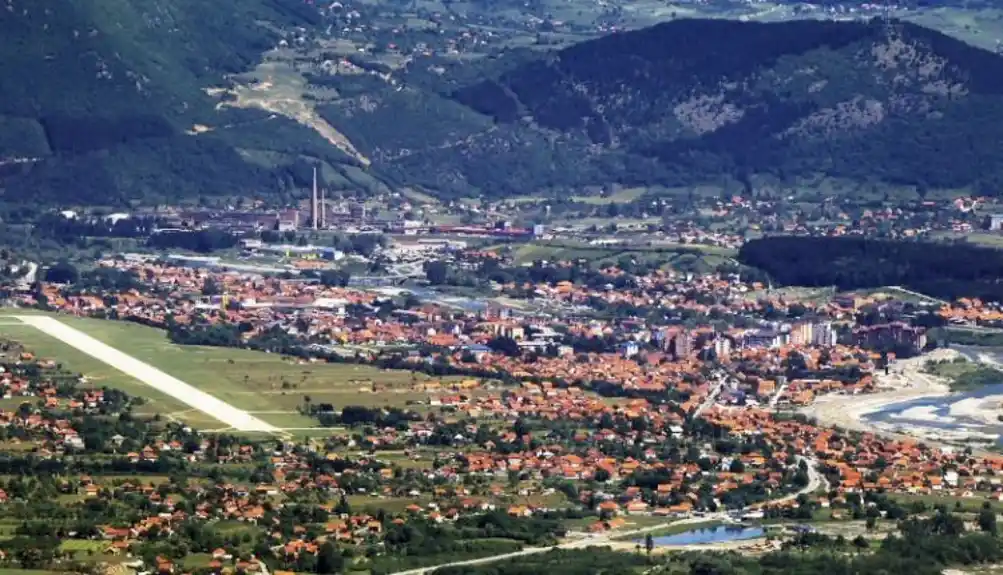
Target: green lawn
x=82 y=545
x=229 y=527
x=674 y=529
x=389 y=504
x=270 y=386
x=668 y=254
x=196 y=560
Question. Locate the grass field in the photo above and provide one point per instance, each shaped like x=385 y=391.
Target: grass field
x=666 y=256
x=980 y=27
x=624 y=196
x=967 y=504
x=799 y=294
x=82 y=545
x=647 y=521
x=419 y=197
x=269 y=386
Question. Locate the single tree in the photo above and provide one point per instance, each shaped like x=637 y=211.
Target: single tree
x=987 y=519
x=329 y=559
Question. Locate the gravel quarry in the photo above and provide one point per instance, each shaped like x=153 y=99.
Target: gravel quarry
x=169 y=385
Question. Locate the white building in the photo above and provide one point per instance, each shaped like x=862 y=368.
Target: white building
x=823 y=335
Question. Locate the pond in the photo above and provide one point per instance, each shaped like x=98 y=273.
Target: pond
x=707 y=535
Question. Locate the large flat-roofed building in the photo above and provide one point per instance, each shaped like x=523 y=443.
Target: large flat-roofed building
x=996 y=222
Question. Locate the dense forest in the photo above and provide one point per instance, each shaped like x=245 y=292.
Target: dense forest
x=942 y=270
x=693 y=102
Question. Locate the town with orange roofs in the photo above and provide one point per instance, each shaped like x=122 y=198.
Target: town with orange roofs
x=456 y=399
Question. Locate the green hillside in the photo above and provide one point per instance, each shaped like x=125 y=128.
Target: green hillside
x=100 y=98
x=111 y=101
x=702 y=101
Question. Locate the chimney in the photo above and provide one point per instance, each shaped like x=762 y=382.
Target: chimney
x=323 y=209
x=313 y=202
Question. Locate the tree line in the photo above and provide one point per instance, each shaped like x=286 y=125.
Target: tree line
x=939 y=269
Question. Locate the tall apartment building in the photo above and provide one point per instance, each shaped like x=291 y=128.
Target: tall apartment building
x=801 y=333
x=823 y=334
x=676 y=341
x=889 y=334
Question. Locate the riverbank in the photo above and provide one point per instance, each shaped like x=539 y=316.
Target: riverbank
x=987 y=409
x=758 y=544
x=913 y=404
x=905 y=381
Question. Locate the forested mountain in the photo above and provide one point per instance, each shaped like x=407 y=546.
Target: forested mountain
x=106 y=101
x=100 y=98
x=692 y=101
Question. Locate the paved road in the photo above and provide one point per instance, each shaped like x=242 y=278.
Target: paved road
x=162 y=382
x=916 y=294
x=776 y=396
x=815 y=481
x=712 y=396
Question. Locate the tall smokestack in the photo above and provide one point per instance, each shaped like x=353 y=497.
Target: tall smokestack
x=323 y=208
x=313 y=203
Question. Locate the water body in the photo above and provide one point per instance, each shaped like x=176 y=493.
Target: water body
x=708 y=535
x=934 y=413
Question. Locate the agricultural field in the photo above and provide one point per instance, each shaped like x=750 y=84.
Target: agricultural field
x=621 y=196
x=267 y=386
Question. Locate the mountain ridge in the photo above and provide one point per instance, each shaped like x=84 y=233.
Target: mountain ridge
x=697 y=101
x=736 y=105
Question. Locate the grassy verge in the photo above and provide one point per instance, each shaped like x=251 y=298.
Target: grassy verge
x=675 y=529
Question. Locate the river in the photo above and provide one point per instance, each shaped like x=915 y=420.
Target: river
x=964 y=415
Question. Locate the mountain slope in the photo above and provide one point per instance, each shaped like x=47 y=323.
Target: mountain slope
x=100 y=98
x=695 y=101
